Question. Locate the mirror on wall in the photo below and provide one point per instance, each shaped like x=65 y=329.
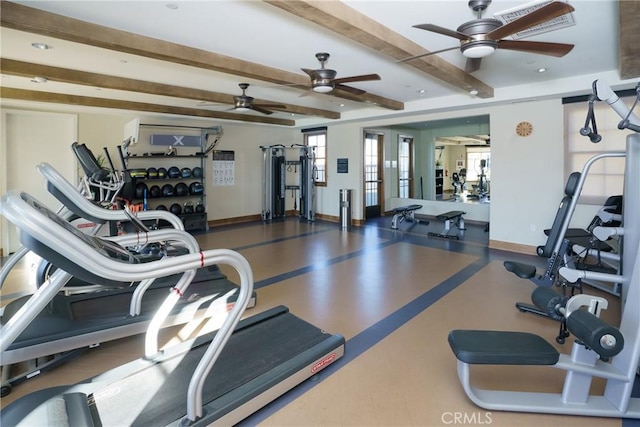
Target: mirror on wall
x=447 y=160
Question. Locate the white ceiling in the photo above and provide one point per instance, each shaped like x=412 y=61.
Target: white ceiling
x=258 y=32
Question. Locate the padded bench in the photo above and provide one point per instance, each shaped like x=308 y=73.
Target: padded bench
x=501 y=348
x=523 y=271
x=404 y=212
x=449 y=218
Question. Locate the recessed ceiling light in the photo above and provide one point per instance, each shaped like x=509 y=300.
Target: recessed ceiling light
x=39 y=79
x=124 y=61
x=542 y=69
x=422 y=91
x=172 y=6
x=473 y=92
x=341 y=105
x=41 y=46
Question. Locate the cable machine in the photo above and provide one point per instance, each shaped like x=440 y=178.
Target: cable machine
x=274 y=186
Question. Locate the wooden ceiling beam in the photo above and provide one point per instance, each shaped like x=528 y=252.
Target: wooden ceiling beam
x=628 y=46
x=342 y=19
x=36 y=21
x=86 y=101
x=28 y=69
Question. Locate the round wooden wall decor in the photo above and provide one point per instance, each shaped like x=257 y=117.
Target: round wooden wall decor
x=524 y=129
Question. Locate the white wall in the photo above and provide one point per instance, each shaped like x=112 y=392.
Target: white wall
x=245 y=197
x=101 y=130
x=241 y=199
x=29 y=138
x=527 y=173
x=344 y=141
x=527 y=177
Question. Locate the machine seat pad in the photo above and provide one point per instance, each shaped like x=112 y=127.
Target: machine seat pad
x=449 y=215
x=501 y=348
x=407 y=208
x=523 y=271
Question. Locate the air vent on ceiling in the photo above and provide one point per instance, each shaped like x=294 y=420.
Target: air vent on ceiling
x=509 y=15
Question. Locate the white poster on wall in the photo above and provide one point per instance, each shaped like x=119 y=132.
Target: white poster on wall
x=223 y=168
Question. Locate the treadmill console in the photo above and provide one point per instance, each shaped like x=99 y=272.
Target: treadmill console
x=103 y=246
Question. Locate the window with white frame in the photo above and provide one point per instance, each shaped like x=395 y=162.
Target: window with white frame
x=475 y=156
x=606 y=176
x=318 y=138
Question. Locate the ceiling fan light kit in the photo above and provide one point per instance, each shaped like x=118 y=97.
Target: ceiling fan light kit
x=322 y=86
x=478 y=51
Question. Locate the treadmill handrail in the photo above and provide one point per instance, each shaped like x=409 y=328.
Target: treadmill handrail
x=52 y=176
x=164 y=234
x=11 y=262
x=182 y=237
x=53 y=235
x=56 y=237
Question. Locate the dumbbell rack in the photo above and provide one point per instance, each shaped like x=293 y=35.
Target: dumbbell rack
x=193 y=221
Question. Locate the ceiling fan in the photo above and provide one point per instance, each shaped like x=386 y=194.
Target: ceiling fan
x=482 y=36
x=244 y=102
x=323 y=80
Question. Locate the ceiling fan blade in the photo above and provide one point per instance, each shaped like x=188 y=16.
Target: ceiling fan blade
x=441 y=30
x=472 y=64
x=271 y=106
x=538 y=16
x=312 y=73
x=362 y=78
x=350 y=89
x=543 y=48
x=427 y=54
x=260 y=110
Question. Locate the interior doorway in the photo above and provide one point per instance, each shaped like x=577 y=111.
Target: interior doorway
x=373 y=176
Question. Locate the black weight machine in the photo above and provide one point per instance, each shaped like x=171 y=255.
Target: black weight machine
x=600 y=350
x=276 y=165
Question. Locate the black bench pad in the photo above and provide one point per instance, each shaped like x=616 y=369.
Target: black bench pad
x=501 y=348
x=523 y=271
x=449 y=215
x=406 y=208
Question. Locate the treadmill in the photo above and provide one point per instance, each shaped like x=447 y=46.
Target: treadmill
x=75 y=320
x=219 y=378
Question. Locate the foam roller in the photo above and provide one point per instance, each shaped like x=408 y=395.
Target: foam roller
x=602 y=338
x=549 y=301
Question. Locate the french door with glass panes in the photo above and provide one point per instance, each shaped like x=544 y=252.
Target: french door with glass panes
x=405 y=167
x=373 y=194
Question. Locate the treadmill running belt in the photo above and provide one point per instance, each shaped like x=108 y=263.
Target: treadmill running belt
x=159 y=392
